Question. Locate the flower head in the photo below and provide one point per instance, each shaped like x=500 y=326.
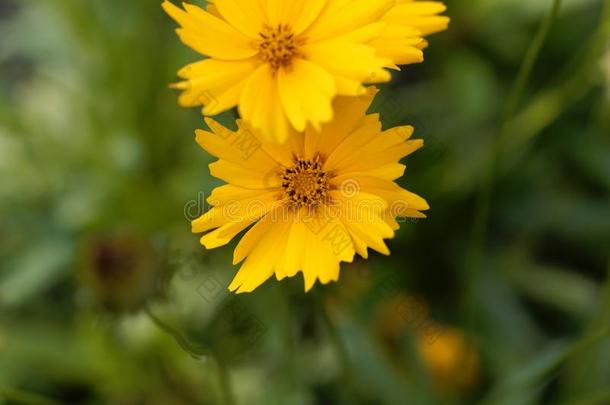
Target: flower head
x=282 y=62
x=315 y=201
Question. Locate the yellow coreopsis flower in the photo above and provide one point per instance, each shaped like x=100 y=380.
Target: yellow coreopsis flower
x=283 y=61
x=314 y=201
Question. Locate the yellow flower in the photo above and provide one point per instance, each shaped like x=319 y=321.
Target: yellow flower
x=314 y=201
x=451 y=358
x=283 y=61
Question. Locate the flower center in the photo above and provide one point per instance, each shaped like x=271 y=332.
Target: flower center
x=277 y=46
x=306 y=184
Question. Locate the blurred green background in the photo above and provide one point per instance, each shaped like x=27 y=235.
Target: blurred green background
x=107 y=298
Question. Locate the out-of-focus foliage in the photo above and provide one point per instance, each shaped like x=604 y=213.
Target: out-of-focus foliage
x=106 y=297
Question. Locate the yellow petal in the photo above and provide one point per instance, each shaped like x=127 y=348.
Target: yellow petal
x=209 y=35
x=245 y=15
x=215 y=84
x=306 y=91
x=368 y=130
x=250 y=240
x=422 y=15
x=247 y=208
x=333 y=234
x=400 y=201
x=369 y=237
x=224 y=234
x=230 y=193
x=315 y=244
x=349 y=113
x=353 y=62
x=341 y=17
x=391 y=171
x=363 y=217
x=244 y=177
x=291 y=260
x=362 y=161
x=242 y=147
x=322 y=252
x=259 y=265
x=399 y=43
x=304 y=13
x=261 y=105
x=277 y=11
x=259 y=247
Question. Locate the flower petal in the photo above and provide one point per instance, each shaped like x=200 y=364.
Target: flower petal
x=262 y=253
x=215 y=84
x=349 y=113
x=262 y=107
x=245 y=15
x=242 y=147
x=244 y=177
x=208 y=34
x=353 y=63
x=237 y=210
x=306 y=91
x=342 y=16
x=422 y=15
x=365 y=133
x=304 y=13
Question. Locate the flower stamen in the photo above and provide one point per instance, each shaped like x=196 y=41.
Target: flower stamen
x=277 y=46
x=306 y=184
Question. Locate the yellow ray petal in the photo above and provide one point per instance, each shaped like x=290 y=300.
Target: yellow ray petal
x=364 y=161
x=229 y=193
x=399 y=43
x=350 y=112
x=369 y=129
x=390 y=171
x=244 y=177
x=334 y=235
x=401 y=201
x=224 y=234
x=292 y=258
x=422 y=15
x=356 y=63
x=306 y=91
x=235 y=211
x=341 y=17
x=260 y=248
x=208 y=34
x=242 y=147
x=259 y=265
x=245 y=15
x=214 y=84
x=250 y=240
x=304 y=13
x=261 y=105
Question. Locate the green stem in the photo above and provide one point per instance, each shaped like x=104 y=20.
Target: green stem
x=580 y=369
x=549 y=104
x=335 y=337
x=598 y=398
x=25 y=398
x=529 y=61
x=225 y=381
x=198 y=354
x=485 y=194
x=547 y=373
